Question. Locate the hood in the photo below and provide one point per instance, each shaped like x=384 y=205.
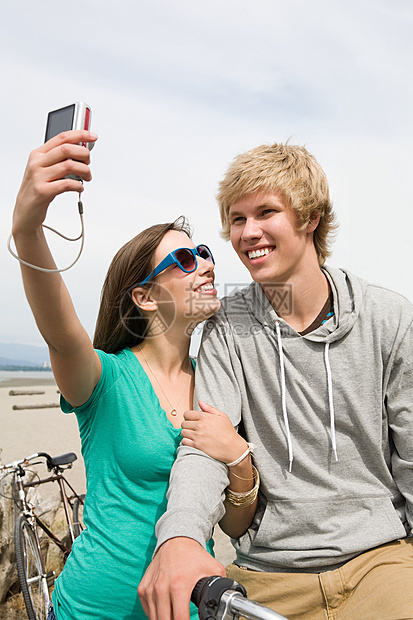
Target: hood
x=348 y=295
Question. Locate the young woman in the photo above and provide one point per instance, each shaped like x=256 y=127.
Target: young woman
x=129 y=389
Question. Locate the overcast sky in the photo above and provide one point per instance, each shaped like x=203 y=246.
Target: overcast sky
x=177 y=89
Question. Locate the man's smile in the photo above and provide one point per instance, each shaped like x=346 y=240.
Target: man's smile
x=260 y=252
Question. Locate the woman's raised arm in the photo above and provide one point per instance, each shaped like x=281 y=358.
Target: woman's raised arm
x=75 y=364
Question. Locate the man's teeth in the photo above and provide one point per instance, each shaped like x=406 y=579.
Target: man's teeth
x=205 y=287
x=258 y=253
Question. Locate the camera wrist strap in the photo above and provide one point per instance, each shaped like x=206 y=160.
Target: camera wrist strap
x=81 y=236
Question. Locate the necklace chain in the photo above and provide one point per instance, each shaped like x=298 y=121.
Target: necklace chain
x=173 y=409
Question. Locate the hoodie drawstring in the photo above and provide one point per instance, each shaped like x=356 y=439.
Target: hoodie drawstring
x=330 y=399
x=284 y=398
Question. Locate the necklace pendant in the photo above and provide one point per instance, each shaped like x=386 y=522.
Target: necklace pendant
x=173 y=412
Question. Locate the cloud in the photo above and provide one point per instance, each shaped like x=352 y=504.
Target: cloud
x=178 y=89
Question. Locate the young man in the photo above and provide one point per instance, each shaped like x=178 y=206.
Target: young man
x=318 y=366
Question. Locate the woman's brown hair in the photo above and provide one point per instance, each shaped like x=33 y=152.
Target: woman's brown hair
x=120 y=323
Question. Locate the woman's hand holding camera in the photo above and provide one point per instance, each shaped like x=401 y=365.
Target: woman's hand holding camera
x=45 y=177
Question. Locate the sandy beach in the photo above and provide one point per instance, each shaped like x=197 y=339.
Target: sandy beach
x=26 y=431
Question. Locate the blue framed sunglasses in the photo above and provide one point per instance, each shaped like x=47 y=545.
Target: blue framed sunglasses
x=185 y=258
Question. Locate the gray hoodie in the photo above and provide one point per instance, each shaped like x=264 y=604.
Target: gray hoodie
x=331 y=417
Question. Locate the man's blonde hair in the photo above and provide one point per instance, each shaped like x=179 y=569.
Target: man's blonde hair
x=291 y=171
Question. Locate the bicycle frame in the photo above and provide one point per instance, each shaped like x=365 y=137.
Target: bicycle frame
x=61 y=480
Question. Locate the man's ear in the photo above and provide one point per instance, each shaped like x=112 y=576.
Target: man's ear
x=143 y=299
x=313 y=222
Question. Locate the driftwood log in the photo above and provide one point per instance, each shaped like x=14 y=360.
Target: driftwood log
x=46 y=406
x=48 y=510
x=25 y=392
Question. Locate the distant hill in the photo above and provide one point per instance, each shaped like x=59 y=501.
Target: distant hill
x=13 y=354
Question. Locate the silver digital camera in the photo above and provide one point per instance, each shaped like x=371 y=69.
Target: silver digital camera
x=75 y=116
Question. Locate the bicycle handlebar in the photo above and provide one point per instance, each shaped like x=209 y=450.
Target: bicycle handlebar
x=220 y=598
x=26 y=459
x=57 y=461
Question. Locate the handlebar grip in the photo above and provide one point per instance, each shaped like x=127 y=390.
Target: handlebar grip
x=208 y=591
x=197 y=591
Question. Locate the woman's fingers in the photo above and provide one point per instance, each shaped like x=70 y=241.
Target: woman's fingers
x=65 y=154
x=209 y=408
x=65 y=151
x=79 y=136
x=192 y=415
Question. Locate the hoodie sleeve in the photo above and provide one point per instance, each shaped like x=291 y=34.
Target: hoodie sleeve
x=218 y=366
x=197 y=482
x=399 y=403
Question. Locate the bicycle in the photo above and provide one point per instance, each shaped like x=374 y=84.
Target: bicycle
x=35 y=582
x=220 y=598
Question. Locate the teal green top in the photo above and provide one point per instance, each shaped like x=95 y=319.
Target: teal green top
x=128 y=446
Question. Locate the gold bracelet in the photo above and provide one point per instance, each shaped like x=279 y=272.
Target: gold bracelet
x=239 y=477
x=240 y=500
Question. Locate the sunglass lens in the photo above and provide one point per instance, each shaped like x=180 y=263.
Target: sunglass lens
x=186 y=259
x=205 y=253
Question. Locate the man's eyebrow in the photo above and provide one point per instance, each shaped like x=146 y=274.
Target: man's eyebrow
x=269 y=203
x=262 y=205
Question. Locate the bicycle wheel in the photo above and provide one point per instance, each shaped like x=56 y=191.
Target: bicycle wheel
x=29 y=569
x=78 y=526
